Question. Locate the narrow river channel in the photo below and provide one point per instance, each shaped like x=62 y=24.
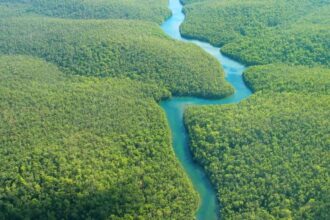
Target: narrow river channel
x=175 y=106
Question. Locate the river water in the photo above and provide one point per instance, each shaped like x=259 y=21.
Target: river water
x=174 y=108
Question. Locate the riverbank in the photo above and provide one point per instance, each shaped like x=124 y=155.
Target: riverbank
x=175 y=107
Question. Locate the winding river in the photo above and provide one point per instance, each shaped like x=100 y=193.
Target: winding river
x=174 y=108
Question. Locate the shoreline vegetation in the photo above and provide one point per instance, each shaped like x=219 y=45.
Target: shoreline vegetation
x=116 y=48
x=261 y=32
x=77 y=147
x=82 y=135
x=82 y=142
x=264 y=155
x=268 y=156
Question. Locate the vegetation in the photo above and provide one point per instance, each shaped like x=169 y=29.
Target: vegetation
x=306 y=44
x=151 y=10
x=268 y=157
x=262 y=32
x=82 y=136
x=135 y=49
x=85 y=148
x=279 y=78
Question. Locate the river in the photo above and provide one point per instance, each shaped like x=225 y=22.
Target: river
x=174 y=108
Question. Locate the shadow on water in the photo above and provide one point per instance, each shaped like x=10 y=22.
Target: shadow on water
x=174 y=109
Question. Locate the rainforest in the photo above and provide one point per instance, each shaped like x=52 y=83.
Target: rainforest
x=165 y=109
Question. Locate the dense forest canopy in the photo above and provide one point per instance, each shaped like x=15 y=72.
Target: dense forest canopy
x=150 y=10
x=279 y=78
x=82 y=135
x=135 y=49
x=85 y=148
x=262 y=32
x=267 y=156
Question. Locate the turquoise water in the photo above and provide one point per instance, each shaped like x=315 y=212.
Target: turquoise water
x=175 y=106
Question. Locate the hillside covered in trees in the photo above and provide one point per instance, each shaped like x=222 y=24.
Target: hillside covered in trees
x=262 y=32
x=82 y=135
x=268 y=157
x=85 y=148
x=135 y=49
x=149 y=10
x=283 y=78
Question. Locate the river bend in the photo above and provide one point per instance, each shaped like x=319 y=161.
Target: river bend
x=174 y=109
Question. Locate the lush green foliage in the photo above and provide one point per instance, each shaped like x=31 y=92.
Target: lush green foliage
x=279 y=78
x=262 y=32
x=151 y=10
x=77 y=147
x=134 y=49
x=303 y=44
x=268 y=156
x=85 y=148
